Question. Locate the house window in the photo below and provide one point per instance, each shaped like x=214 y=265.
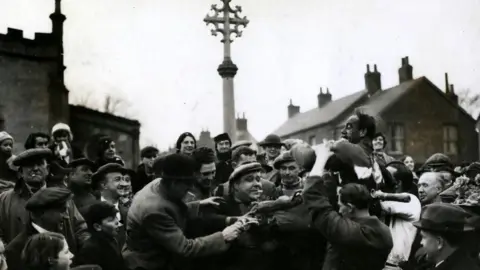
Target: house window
x=397 y=138
x=450 y=140
x=312 y=140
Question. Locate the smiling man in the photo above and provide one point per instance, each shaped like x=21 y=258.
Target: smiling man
x=206 y=170
x=80 y=183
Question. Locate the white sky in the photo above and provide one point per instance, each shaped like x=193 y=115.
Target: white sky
x=159 y=55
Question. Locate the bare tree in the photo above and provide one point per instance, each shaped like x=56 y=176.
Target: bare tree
x=470 y=101
x=83 y=98
x=117 y=106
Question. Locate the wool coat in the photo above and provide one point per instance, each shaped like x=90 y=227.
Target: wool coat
x=155 y=231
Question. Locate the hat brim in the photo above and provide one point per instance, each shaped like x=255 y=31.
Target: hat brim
x=264 y=144
x=419 y=225
x=96 y=177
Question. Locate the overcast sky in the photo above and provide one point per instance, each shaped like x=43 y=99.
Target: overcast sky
x=159 y=55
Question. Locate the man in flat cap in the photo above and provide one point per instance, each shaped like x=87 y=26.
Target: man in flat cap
x=145 y=173
x=223 y=148
x=80 y=183
x=48 y=210
x=34 y=169
x=241 y=155
x=158 y=218
x=443 y=228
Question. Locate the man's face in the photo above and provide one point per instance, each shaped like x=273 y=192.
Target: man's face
x=81 y=175
x=53 y=218
x=109 y=226
x=378 y=143
x=126 y=189
x=41 y=142
x=272 y=151
x=35 y=172
x=345 y=210
x=223 y=146
x=6 y=146
x=207 y=174
x=249 y=187
x=61 y=136
x=431 y=245
x=289 y=172
x=149 y=159
x=115 y=183
x=428 y=187
x=110 y=152
x=351 y=132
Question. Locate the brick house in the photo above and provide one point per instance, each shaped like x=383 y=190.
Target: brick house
x=34 y=96
x=418 y=118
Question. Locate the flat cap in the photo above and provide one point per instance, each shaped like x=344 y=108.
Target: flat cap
x=222 y=137
x=149 y=151
x=282 y=158
x=241 y=143
x=245 y=169
x=105 y=169
x=32 y=155
x=80 y=162
x=48 y=198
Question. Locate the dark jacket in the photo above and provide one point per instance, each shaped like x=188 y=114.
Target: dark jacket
x=141 y=179
x=460 y=259
x=14 y=217
x=224 y=170
x=360 y=243
x=82 y=198
x=13 y=251
x=102 y=250
x=155 y=231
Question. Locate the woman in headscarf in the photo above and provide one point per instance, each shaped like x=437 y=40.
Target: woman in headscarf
x=7 y=170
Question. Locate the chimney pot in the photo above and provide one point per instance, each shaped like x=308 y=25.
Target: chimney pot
x=292 y=110
x=324 y=98
x=405 y=72
x=373 y=81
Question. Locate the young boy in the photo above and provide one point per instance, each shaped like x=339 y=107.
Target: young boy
x=102 y=247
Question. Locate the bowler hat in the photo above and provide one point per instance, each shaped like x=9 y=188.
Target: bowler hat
x=443 y=217
x=105 y=169
x=48 y=198
x=222 y=137
x=271 y=140
x=81 y=161
x=178 y=167
x=32 y=155
x=245 y=169
x=282 y=158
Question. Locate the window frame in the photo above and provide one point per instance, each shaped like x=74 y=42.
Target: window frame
x=448 y=141
x=392 y=140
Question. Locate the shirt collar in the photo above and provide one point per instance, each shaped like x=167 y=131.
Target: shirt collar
x=38 y=228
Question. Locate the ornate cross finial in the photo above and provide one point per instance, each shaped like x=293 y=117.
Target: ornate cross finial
x=231 y=24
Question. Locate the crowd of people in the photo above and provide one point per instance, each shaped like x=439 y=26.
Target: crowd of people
x=340 y=205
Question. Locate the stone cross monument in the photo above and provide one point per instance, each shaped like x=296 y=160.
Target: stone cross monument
x=227 y=21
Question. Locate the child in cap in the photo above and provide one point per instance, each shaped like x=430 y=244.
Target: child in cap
x=102 y=247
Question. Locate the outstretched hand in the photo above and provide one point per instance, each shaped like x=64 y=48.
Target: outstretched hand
x=212 y=201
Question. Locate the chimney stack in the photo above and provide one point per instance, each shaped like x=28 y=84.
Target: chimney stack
x=447 y=86
x=373 y=81
x=324 y=98
x=242 y=123
x=293 y=110
x=405 y=72
x=450 y=90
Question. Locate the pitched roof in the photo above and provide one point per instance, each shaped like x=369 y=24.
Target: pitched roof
x=318 y=116
x=382 y=100
x=244 y=135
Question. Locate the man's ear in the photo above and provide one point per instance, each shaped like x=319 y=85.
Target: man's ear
x=351 y=206
x=363 y=132
x=97 y=227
